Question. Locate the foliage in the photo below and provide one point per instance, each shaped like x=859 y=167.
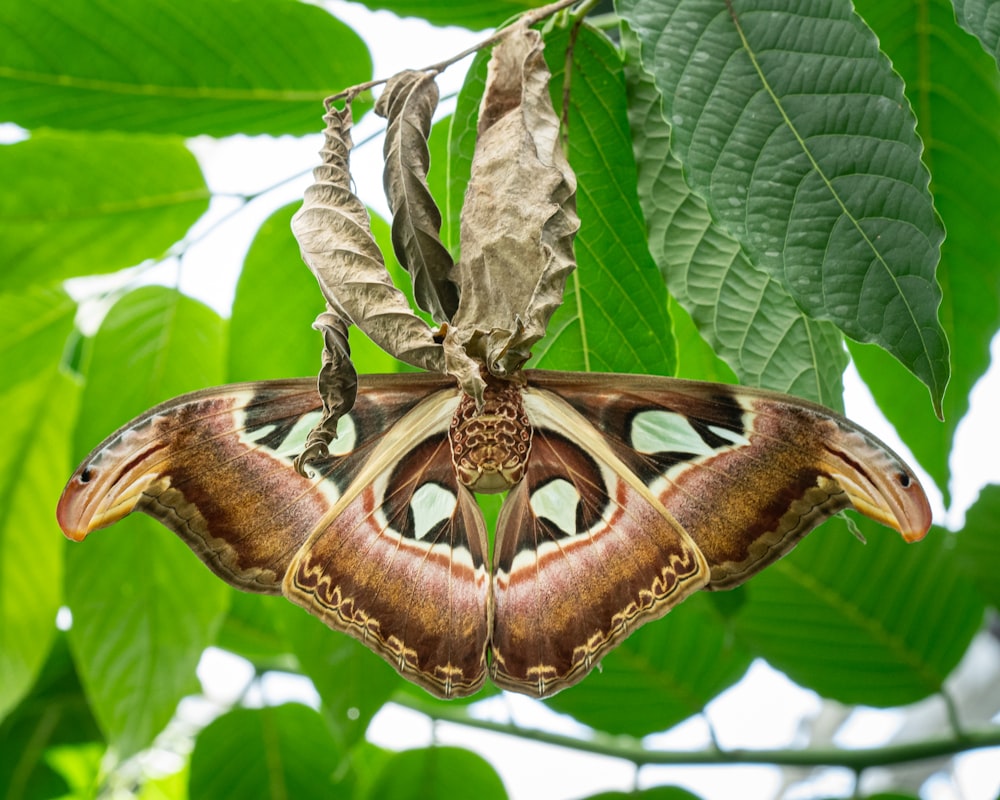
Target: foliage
x=756 y=185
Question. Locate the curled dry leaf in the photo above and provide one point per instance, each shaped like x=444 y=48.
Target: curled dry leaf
x=519 y=216
x=334 y=235
x=337 y=383
x=408 y=103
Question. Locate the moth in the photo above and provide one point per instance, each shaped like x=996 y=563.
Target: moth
x=625 y=494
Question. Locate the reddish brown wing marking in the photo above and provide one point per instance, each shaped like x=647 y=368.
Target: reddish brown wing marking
x=747 y=473
x=584 y=555
x=400 y=561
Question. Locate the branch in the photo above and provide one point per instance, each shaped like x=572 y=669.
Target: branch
x=526 y=20
x=633 y=750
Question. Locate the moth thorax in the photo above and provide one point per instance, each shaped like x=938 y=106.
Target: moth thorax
x=490 y=449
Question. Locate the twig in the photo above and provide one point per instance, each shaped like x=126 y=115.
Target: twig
x=633 y=750
x=526 y=20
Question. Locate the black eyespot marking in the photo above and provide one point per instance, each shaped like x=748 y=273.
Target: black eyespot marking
x=904 y=480
x=86 y=475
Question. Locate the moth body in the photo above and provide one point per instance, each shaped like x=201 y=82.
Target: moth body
x=490 y=447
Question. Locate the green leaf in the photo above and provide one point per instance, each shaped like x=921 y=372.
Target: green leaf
x=614 y=316
x=188 y=67
x=33 y=469
x=34 y=325
x=352 y=681
x=751 y=322
x=793 y=127
x=40 y=404
x=55 y=713
x=978 y=544
x=273 y=752
x=663 y=673
x=697 y=361
x=271 y=333
x=143 y=607
x=653 y=793
x=461 y=147
x=83 y=204
x=880 y=625
x=249 y=630
x=959 y=99
x=981 y=18
x=260 y=313
x=154 y=344
x=438 y=772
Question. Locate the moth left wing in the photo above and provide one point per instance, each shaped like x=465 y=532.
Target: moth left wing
x=215 y=466
x=584 y=555
x=745 y=472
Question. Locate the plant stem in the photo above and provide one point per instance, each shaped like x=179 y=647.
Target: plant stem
x=632 y=749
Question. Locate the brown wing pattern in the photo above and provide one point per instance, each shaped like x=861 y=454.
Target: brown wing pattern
x=584 y=555
x=216 y=468
x=746 y=473
x=637 y=492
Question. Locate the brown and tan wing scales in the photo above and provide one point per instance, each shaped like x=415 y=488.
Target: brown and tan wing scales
x=746 y=473
x=400 y=561
x=584 y=555
x=215 y=467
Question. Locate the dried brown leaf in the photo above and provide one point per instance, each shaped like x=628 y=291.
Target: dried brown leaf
x=519 y=216
x=334 y=234
x=408 y=104
x=337 y=384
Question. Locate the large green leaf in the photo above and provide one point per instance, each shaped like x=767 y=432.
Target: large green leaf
x=271 y=334
x=793 y=127
x=39 y=403
x=84 y=204
x=955 y=86
x=39 y=415
x=143 y=607
x=54 y=714
x=34 y=325
x=614 y=315
x=662 y=674
x=250 y=631
x=981 y=18
x=881 y=624
x=267 y=753
x=174 y=66
x=749 y=319
x=351 y=680
x=978 y=544
x=440 y=772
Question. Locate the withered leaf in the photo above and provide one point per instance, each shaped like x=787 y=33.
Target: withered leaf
x=337 y=384
x=334 y=234
x=519 y=216
x=408 y=103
